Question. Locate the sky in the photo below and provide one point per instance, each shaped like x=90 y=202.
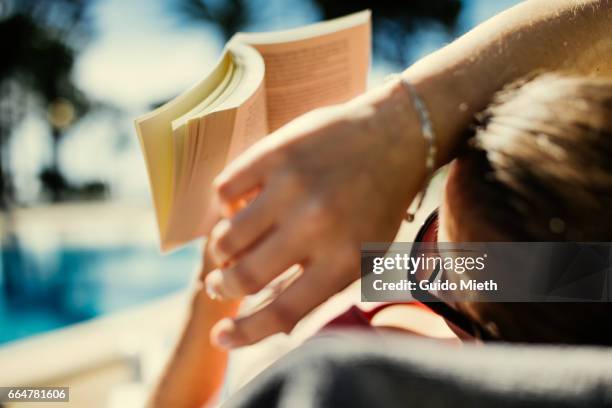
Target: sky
x=142 y=54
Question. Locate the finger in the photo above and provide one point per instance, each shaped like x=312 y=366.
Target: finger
x=207 y=263
x=258 y=267
x=244 y=174
x=282 y=314
x=231 y=236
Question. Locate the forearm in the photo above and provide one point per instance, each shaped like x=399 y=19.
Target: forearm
x=458 y=80
x=195 y=371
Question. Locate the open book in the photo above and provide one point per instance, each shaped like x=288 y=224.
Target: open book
x=260 y=82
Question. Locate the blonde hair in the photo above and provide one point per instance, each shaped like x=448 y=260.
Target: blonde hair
x=539 y=166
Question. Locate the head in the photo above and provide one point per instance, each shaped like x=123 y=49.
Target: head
x=538 y=168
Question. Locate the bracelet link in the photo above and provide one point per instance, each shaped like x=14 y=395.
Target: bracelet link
x=427 y=133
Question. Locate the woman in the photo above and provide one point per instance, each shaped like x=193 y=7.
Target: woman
x=318 y=217
x=538 y=168
x=315 y=197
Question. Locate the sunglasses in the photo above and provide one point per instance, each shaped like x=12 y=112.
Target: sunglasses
x=427 y=238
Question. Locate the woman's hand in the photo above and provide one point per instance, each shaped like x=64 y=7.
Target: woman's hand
x=326 y=182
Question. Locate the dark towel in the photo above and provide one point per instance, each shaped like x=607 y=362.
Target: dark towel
x=358 y=370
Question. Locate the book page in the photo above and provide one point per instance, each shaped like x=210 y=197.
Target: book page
x=155 y=133
x=209 y=140
x=251 y=124
x=251 y=117
x=205 y=151
x=323 y=64
x=213 y=140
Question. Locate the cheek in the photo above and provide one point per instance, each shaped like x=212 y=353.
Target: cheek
x=450 y=229
x=443 y=230
x=447 y=227
x=461 y=212
x=443 y=233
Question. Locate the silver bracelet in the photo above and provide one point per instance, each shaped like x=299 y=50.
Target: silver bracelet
x=428 y=135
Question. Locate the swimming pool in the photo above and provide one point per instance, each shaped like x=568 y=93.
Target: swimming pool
x=44 y=290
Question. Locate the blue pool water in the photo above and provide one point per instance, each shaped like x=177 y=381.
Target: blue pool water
x=40 y=292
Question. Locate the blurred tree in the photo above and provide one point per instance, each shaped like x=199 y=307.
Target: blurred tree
x=229 y=15
x=40 y=41
x=394 y=22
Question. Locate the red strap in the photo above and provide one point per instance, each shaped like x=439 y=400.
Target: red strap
x=355 y=317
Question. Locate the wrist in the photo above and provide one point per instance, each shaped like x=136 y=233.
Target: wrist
x=454 y=89
x=392 y=116
x=388 y=116
x=448 y=115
